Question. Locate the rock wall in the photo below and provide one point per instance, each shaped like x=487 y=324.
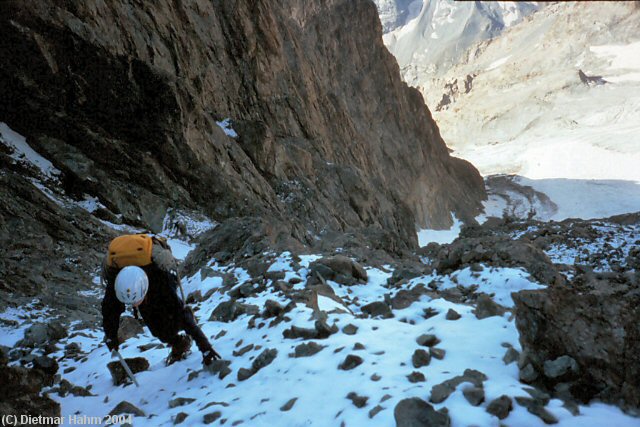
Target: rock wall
x=124 y=98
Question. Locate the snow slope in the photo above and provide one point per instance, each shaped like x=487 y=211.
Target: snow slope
x=319 y=388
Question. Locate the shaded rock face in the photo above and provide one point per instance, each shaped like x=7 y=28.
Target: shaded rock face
x=584 y=337
x=123 y=98
x=20 y=391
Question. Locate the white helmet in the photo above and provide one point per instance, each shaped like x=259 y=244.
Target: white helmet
x=131 y=285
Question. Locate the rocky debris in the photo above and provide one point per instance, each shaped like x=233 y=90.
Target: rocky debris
x=415 y=412
x=498 y=251
x=440 y=392
x=287 y=406
x=357 y=400
x=180 y=401
x=500 y=407
x=20 y=390
x=125 y=407
x=404 y=298
x=119 y=375
x=40 y=334
x=452 y=315
x=375 y=377
x=179 y=418
x=129 y=328
x=437 y=353
x=321 y=331
x=275 y=309
x=377 y=309
x=45 y=364
x=307 y=349
x=351 y=362
x=536 y=407
x=350 y=329
x=416 y=377
x=338 y=268
x=265 y=358
x=427 y=340
x=375 y=410
x=561 y=369
x=243 y=350
x=420 y=358
x=604 y=348
x=487 y=307
x=211 y=417
x=474 y=395
x=510 y=356
x=228 y=311
x=65 y=387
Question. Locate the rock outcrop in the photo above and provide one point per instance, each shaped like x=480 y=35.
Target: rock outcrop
x=582 y=340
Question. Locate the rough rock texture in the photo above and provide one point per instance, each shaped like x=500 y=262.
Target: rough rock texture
x=415 y=412
x=123 y=97
x=119 y=375
x=586 y=334
x=20 y=391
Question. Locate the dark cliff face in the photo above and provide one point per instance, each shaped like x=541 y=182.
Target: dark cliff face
x=123 y=97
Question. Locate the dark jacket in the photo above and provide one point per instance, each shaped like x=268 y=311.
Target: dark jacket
x=163 y=309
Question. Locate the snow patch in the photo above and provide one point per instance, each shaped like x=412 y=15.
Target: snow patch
x=426 y=236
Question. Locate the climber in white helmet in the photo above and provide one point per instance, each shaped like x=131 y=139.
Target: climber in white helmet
x=141 y=271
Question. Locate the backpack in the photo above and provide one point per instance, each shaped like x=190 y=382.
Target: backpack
x=130 y=249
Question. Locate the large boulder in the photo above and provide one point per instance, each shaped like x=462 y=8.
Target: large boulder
x=583 y=337
x=338 y=268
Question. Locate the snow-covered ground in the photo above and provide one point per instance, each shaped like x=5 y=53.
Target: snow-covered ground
x=316 y=383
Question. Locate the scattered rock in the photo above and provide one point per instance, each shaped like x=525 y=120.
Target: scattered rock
x=404 y=298
x=264 y=359
x=510 y=356
x=500 y=407
x=375 y=377
x=211 y=417
x=180 y=401
x=358 y=401
x=350 y=329
x=229 y=311
x=437 y=353
x=125 y=407
x=537 y=408
x=414 y=412
x=46 y=364
x=179 y=418
x=243 y=350
x=119 y=375
x=220 y=367
x=452 y=315
x=528 y=374
x=307 y=349
x=338 y=268
x=420 y=358
x=474 y=395
x=487 y=307
x=416 y=377
x=350 y=362
x=358 y=346
x=377 y=309
x=244 y=373
x=321 y=331
x=287 y=406
x=440 y=392
x=374 y=411
x=427 y=340
x=40 y=334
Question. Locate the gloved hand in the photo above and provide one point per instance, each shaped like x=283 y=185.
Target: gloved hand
x=209 y=356
x=112 y=344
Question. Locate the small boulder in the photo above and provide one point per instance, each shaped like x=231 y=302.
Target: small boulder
x=220 y=367
x=378 y=309
x=358 y=401
x=119 y=375
x=350 y=329
x=427 y=340
x=229 y=311
x=420 y=358
x=563 y=367
x=452 y=315
x=125 y=407
x=307 y=349
x=416 y=377
x=180 y=401
x=414 y=412
x=351 y=362
x=474 y=395
x=287 y=406
x=486 y=307
x=500 y=407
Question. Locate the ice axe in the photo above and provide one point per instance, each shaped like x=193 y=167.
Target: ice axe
x=125 y=366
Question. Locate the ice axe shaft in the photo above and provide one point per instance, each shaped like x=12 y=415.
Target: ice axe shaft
x=125 y=366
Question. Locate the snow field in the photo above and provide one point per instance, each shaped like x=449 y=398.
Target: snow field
x=317 y=383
